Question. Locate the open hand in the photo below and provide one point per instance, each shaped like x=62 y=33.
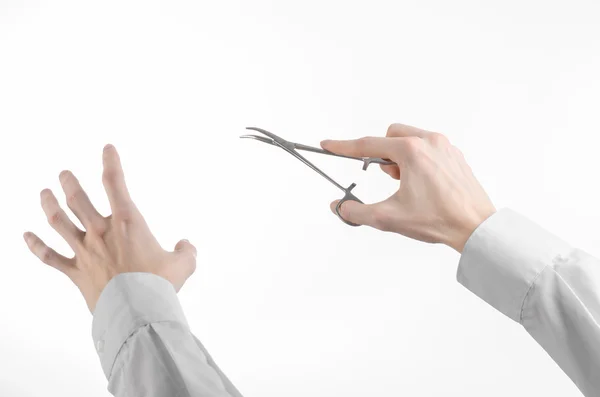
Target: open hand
x=119 y=243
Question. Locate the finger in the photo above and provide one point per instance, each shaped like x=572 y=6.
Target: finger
x=391 y=170
x=354 y=212
x=187 y=253
x=184 y=246
x=113 y=179
x=79 y=202
x=47 y=255
x=362 y=147
x=402 y=130
x=377 y=215
x=59 y=220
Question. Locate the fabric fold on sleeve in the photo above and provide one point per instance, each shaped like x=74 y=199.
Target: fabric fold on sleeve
x=119 y=313
x=503 y=257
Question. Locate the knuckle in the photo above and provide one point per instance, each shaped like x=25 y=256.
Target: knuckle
x=414 y=145
x=362 y=142
x=74 y=197
x=55 y=219
x=438 y=139
x=47 y=256
x=98 y=228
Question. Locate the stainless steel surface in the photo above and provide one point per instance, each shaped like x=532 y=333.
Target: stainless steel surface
x=292 y=147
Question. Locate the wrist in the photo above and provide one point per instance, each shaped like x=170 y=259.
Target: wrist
x=462 y=231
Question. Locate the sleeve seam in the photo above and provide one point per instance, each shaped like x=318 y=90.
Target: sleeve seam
x=528 y=291
x=130 y=335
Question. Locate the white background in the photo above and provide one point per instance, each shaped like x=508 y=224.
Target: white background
x=288 y=299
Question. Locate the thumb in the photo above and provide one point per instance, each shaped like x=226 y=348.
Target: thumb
x=184 y=246
x=355 y=212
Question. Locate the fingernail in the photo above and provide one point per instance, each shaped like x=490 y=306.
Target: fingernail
x=107 y=147
x=26 y=236
x=185 y=241
x=332 y=205
x=325 y=142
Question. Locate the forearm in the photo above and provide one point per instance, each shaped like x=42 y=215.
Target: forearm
x=145 y=345
x=542 y=282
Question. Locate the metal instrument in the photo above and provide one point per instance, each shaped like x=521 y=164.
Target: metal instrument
x=292 y=148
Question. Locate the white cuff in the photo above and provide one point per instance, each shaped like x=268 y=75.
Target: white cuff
x=503 y=257
x=130 y=301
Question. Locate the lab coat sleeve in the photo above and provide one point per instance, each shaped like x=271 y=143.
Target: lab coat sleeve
x=145 y=345
x=537 y=279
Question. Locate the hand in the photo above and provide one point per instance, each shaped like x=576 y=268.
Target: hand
x=439 y=199
x=119 y=243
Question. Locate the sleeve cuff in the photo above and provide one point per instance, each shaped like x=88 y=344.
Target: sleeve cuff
x=503 y=257
x=130 y=301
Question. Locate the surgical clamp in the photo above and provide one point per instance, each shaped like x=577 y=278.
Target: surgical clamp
x=292 y=148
